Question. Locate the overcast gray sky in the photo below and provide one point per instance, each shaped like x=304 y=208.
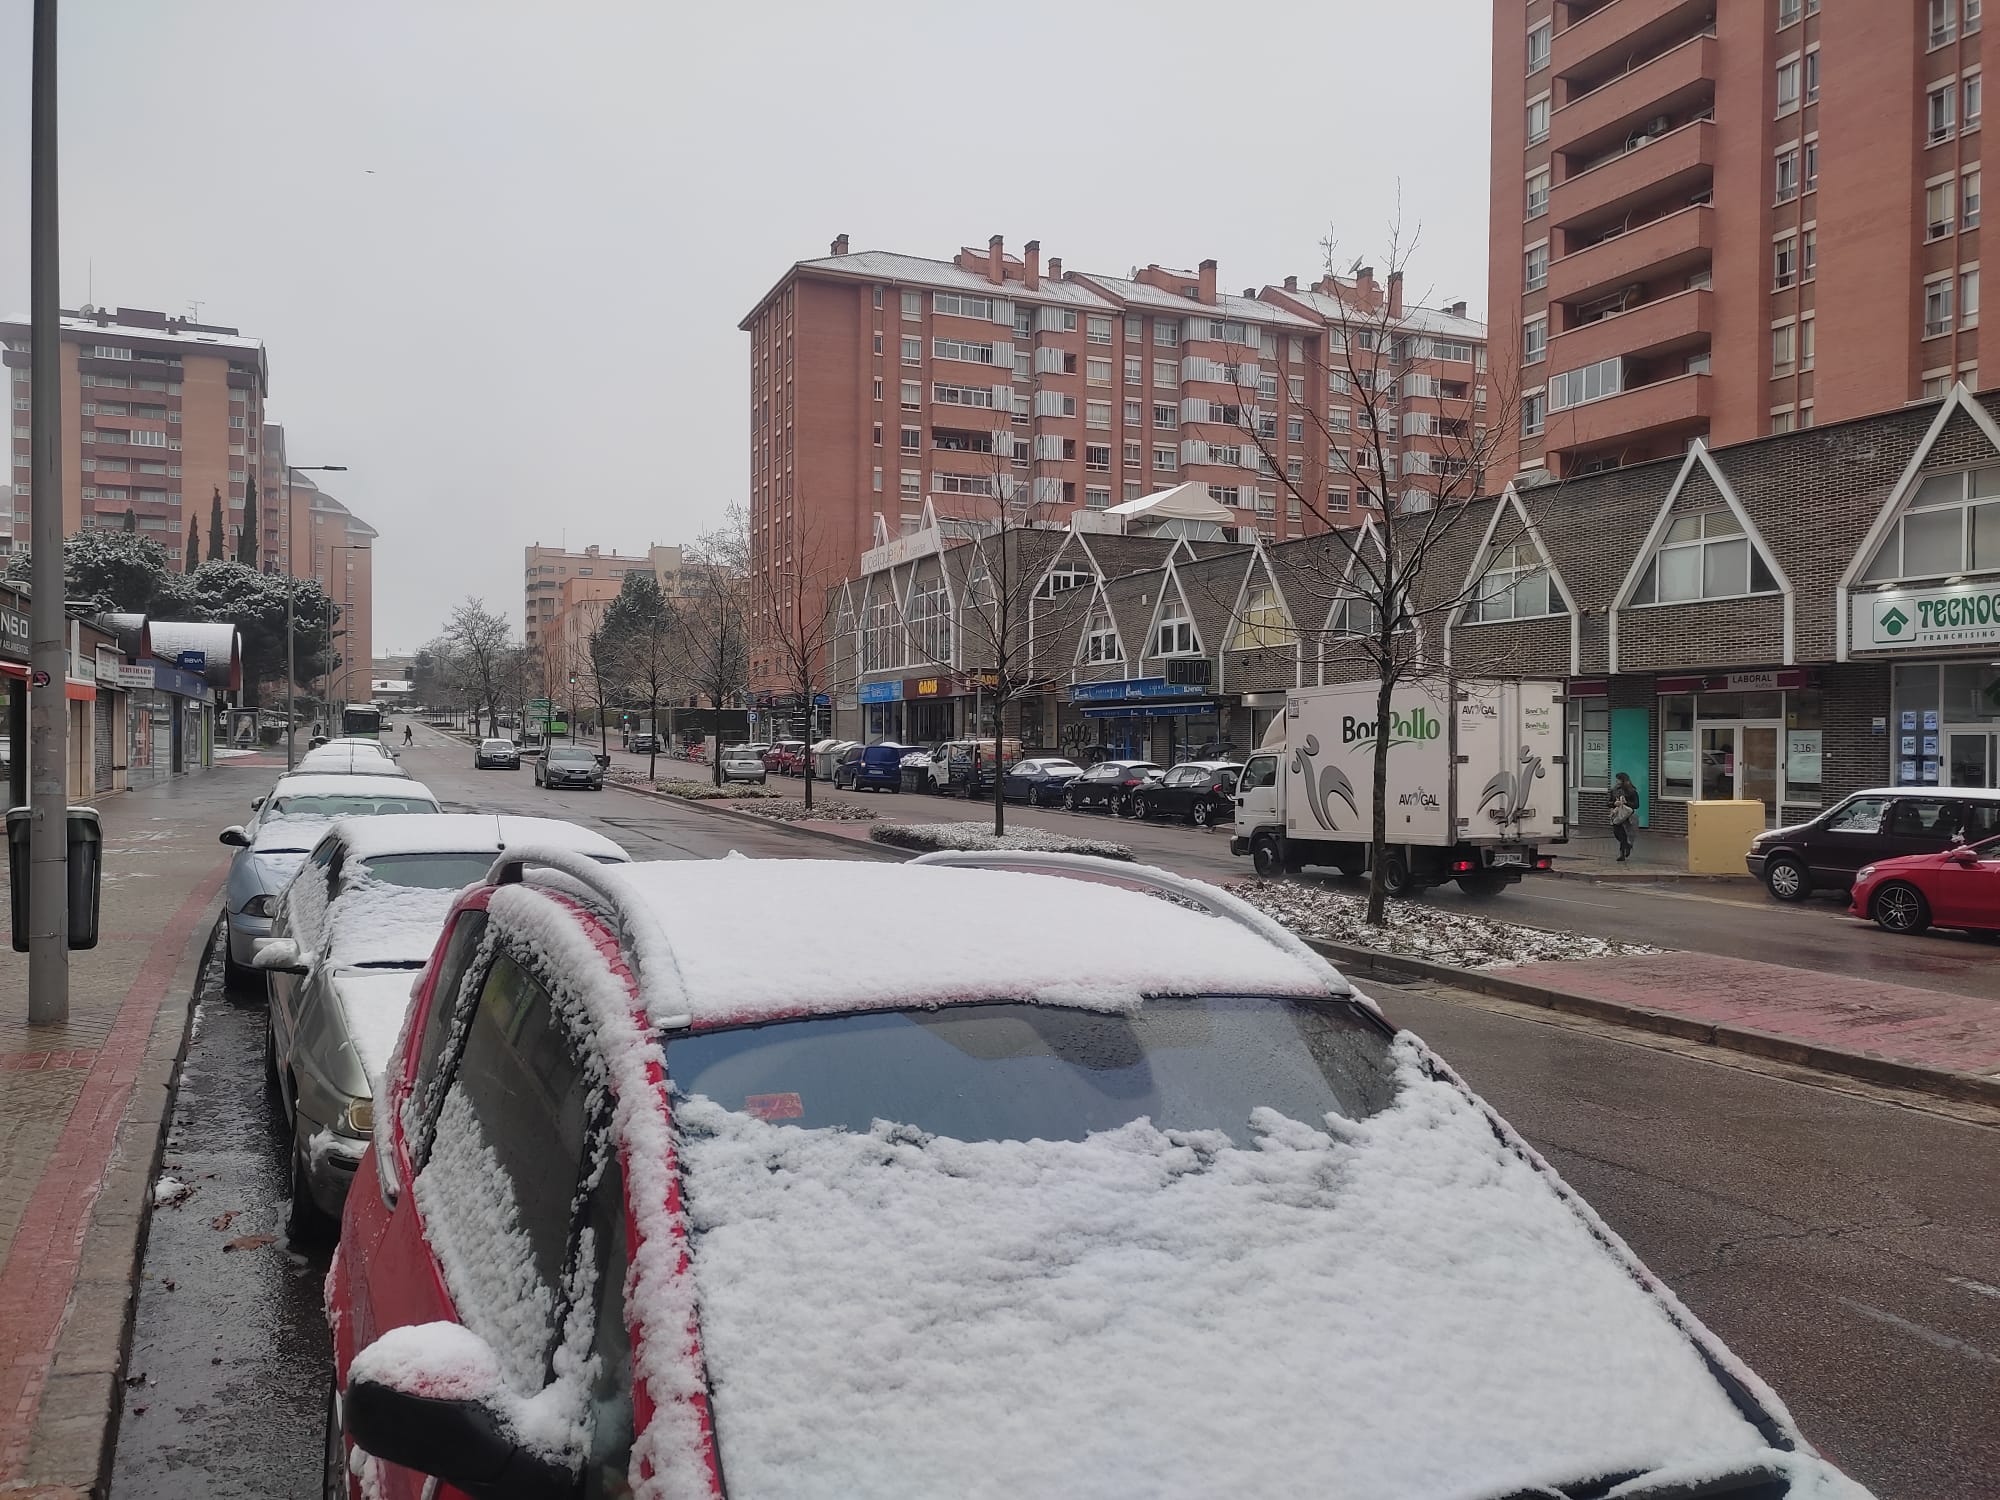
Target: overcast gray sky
x=497 y=251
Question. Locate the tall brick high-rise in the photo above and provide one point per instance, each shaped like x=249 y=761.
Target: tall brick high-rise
x=1725 y=220
x=880 y=382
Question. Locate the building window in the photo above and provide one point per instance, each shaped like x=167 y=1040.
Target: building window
x=1808 y=252
x=913 y=395
x=1538 y=192
x=878 y=387
x=878 y=436
x=1100 y=639
x=1782 y=420
x=1097 y=414
x=1944 y=21
x=1968 y=299
x=1135 y=370
x=1938 y=210
x=1098 y=371
x=1097 y=457
x=1538 y=47
x=1535 y=264
x=1812 y=76
x=1805 y=414
x=1704 y=556
x=876 y=486
x=1166 y=373
x=1175 y=636
x=912 y=484
x=1163 y=460
x=1135 y=455
x=1952 y=525
x=1785 y=261
x=1788 y=86
x=1942 y=111
x=913 y=439
x=1968 y=197
x=1972 y=101
x=1262 y=621
x=960 y=305
x=1783 y=351
x=1538 y=120
x=1788 y=12
x=913 y=307
x=1811 y=182
x=1937 y=307
x=1166 y=332
x=1787 y=174
x=1593 y=382
x=913 y=349
x=1807 y=327
x=1165 y=419
x=1515 y=586
x=1135 y=328
x=1534 y=340
x=1534 y=413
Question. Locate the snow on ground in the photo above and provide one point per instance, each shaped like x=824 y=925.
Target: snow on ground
x=1419 y=929
x=980 y=836
x=708 y=791
x=169 y=1191
x=783 y=809
x=1159 y=1313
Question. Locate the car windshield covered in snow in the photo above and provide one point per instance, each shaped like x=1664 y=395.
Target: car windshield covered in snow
x=1033 y=1072
x=349 y=806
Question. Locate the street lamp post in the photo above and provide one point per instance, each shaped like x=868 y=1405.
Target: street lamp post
x=291 y=608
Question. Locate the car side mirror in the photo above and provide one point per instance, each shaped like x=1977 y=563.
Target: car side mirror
x=255 y=803
x=235 y=835
x=279 y=956
x=430 y=1398
x=1964 y=856
x=604 y=760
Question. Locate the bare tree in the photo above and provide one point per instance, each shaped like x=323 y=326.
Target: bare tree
x=795 y=619
x=712 y=617
x=480 y=638
x=1374 y=598
x=638 y=648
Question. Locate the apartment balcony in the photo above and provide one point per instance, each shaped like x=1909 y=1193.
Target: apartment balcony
x=1666 y=406
x=1674 y=84
x=1681 y=161
x=1684 y=321
x=1622 y=28
x=1681 y=241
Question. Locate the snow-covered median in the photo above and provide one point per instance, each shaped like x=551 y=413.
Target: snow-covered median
x=1420 y=929
x=708 y=791
x=794 y=810
x=929 y=837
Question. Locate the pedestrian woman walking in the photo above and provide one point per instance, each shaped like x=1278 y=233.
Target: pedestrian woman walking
x=1624 y=809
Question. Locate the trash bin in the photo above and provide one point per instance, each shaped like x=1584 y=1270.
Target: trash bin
x=914 y=778
x=86 y=863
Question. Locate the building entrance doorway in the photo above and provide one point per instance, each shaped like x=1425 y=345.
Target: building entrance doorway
x=1972 y=755
x=1739 y=761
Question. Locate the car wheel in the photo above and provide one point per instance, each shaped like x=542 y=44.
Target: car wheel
x=1069 y=802
x=307 y=1223
x=1265 y=856
x=1900 y=907
x=1202 y=814
x=1786 y=878
x=333 y=1462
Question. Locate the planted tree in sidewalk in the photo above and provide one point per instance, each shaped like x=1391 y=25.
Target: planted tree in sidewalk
x=712 y=620
x=1402 y=450
x=791 y=600
x=481 y=639
x=639 y=646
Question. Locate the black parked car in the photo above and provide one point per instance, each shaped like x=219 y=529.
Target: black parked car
x=1866 y=827
x=571 y=765
x=1202 y=791
x=1110 y=784
x=497 y=755
x=1040 y=782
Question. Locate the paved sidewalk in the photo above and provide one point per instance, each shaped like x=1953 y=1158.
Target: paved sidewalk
x=80 y=1112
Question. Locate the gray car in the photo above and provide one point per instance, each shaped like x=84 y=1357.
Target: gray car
x=283 y=826
x=744 y=763
x=570 y=765
x=349 y=935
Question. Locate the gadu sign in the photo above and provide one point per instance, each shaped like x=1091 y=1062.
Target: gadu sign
x=1965 y=615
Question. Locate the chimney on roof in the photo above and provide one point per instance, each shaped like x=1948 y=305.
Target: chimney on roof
x=1055 y=268
x=1395 y=294
x=840 y=244
x=1207 y=278
x=1291 y=283
x=1457 y=309
x=996 y=260
x=1249 y=294
x=1366 y=293
x=1031 y=264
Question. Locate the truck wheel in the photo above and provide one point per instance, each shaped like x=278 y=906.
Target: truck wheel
x=1485 y=884
x=1266 y=856
x=1396 y=879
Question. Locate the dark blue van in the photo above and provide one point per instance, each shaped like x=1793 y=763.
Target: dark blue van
x=876 y=768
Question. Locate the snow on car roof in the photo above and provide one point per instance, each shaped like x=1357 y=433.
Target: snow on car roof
x=467 y=833
x=314 y=783
x=845 y=941
x=294 y=833
x=353 y=760
x=1400 y=1305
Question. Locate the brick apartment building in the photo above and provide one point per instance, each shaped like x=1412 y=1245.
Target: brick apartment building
x=160 y=413
x=556 y=582
x=1790 y=619
x=1668 y=237
x=331 y=544
x=882 y=384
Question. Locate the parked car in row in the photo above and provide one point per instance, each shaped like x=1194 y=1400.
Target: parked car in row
x=1201 y=791
x=743 y=763
x=1959 y=887
x=873 y=768
x=1884 y=823
x=345 y=758
x=497 y=755
x=1039 y=781
x=653 y=1207
x=365 y=910
x=786 y=757
x=570 y=765
x=1110 y=785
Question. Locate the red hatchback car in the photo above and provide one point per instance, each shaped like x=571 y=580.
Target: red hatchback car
x=655 y=1210
x=1958 y=888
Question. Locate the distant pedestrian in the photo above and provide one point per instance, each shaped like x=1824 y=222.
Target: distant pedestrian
x=1624 y=809
x=407 y=736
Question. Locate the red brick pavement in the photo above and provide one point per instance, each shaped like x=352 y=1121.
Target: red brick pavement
x=41 y=1266
x=1925 y=1028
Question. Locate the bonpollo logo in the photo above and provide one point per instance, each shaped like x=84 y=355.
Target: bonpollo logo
x=1417 y=727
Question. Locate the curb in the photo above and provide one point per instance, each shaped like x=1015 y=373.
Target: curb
x=1645 y=877
x=1868 y=1067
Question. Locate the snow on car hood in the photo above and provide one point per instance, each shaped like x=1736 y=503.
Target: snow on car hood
x=1396 y=1309
x=373 y=1003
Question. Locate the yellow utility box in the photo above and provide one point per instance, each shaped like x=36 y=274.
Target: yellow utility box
x=1719 y=835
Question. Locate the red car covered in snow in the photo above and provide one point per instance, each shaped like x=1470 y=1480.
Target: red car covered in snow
x=1959 y=887
x=665 y=1201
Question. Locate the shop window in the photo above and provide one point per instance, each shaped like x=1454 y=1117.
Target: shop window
x=1704 y=556
x=1952 y=525
x=1263 y=622
x=1515 y=586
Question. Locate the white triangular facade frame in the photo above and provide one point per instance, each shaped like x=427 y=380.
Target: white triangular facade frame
x=1958 y=399
x=1171 y=580
x=1481 y=557
x=1099 y=600
x=1698 y=454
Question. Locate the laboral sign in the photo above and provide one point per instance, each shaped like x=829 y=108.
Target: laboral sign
x=1966 y=615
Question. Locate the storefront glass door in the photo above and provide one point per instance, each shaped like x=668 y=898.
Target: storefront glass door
x=1740 y=761
x=1972 y=756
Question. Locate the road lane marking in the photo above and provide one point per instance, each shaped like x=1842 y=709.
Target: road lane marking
x=1917 y=1331
x=1974 y=1286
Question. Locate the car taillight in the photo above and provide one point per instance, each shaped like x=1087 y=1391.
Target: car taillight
x=1464 y=866
x=1545 y=862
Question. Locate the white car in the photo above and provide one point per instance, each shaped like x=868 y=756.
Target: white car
x=283 y=826
x=364 y=911
x=349 y=759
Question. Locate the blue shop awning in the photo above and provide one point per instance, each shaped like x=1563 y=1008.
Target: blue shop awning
x=1178 y=710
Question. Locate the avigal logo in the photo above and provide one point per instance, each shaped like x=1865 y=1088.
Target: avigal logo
x=1417 y=727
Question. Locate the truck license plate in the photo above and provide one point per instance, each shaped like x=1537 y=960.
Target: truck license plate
x=1509 y=857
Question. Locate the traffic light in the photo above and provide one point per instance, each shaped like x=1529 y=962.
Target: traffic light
x=572 y=679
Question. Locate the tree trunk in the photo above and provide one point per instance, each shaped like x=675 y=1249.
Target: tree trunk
x=715 y=745
x=999 y=775
x=1378 y=843
x=809 y=777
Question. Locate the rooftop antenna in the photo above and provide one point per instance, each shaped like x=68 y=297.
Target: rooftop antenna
x=194 y=309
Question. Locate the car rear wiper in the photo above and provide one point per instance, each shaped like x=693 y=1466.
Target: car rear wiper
x=388 y=963
x=1757 y=1481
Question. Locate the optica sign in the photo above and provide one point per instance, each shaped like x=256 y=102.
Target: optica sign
x=1961 y=616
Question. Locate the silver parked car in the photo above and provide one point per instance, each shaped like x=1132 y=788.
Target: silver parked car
x=570 y=765
x=348 y=935
x=744 y=763
x=283 y=826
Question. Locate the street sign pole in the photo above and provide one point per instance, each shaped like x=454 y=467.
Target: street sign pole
x=48 y=706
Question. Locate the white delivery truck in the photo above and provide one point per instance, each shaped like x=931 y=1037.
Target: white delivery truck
x=1475 y=782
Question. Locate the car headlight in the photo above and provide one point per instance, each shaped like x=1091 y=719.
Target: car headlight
x=1864 y=872
x=358 y=1119
x=257 y=906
